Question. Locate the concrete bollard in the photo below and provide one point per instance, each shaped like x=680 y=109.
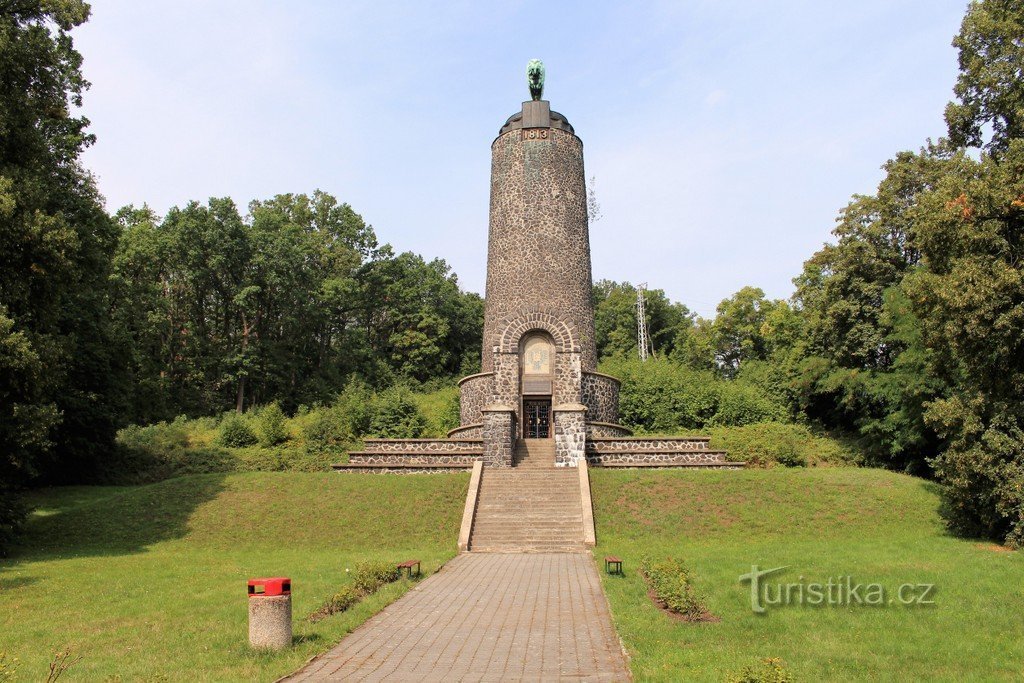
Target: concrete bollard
x=270 y=613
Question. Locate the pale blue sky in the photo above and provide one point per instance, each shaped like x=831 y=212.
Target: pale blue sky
x=724 y=136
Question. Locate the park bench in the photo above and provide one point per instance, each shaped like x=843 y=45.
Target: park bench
x=408 y=565
x=613 y=565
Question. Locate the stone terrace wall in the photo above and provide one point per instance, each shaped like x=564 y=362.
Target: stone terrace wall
x=599 y=430
x=422 y=445
x=474 y=392
x=647 y=450
x=365 y=458
x=601 y=397
x=645 y=443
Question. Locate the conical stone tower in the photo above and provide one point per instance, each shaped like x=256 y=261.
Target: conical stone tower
x=539 y=378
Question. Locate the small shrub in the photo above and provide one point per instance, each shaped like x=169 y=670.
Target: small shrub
x=324 y=429
x=270 y=424
x=235 y=432
x=354 y=407
x=339 y=602
x=743 y=404
x=769 y=670
x=396 y=415
x=672 y=583
x=369 y=578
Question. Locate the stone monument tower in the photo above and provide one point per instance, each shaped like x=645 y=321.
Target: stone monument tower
x=539 y=378
x=539 y=401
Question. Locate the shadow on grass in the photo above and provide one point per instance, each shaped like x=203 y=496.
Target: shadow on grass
x=11 y=582
x=119 y=523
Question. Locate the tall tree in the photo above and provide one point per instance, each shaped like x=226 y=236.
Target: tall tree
x=56 y=352
x=989 y=92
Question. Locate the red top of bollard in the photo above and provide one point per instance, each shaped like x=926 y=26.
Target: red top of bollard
x=278 y=585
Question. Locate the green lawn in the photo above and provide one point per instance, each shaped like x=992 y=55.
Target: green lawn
x=873 y=525
x=149 y=582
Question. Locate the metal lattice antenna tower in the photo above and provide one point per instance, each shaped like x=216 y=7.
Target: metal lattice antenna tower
x=643 y=342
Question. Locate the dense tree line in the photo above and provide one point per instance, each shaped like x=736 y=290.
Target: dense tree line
x=283 y=304
x=908 y=331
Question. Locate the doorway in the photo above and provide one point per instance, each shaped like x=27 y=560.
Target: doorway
x=537 y=418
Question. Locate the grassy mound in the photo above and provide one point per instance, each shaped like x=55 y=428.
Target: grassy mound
x=148 y=582
x=872 y=525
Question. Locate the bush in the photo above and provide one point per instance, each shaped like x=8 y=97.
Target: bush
x=235 y=432
x=370 y=576
x=662 y=396
x=323 y=430
x=743 y=404
x=768 y=443
x=339 y=602
x=770 y=670
x=355 y=406
x=368 y=579
x=396 y=415
x=155 y=452
x=270 y=424
x=672 y=583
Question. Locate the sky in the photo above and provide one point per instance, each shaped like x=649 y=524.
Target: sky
x=723 y=137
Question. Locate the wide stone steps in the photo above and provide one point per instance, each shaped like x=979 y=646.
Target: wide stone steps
x=532 y=454
x=532 y=507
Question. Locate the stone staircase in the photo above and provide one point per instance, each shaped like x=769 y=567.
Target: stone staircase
x=532 y=507
x=534 y=454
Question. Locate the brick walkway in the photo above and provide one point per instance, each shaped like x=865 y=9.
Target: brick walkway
x=487 y=617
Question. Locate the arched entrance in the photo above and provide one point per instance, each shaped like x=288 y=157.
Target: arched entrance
x=536 y=378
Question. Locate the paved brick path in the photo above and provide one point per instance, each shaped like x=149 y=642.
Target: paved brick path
x=487 y=617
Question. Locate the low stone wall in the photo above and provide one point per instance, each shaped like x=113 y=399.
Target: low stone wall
x=422 y=445
x=400 y=470
x=641 y=443
x=473 y=396
x=703 y=458
x=462 y=459
x=599 y=430
x=474 y=431
x=600 y=394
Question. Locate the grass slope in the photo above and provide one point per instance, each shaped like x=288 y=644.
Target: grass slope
x=874 y=525
x=148 y=582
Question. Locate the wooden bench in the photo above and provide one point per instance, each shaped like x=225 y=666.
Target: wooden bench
x=408 y=565
x=613 y=565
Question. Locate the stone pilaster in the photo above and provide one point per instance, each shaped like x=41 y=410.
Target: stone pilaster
x=570 y=434
x=499 y=435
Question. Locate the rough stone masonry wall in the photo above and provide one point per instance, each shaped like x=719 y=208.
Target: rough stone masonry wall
x=570 y=436
x=422 y=445
x=411 y=458
x=680 y=458
x=538 y=256
x=499 y=433
x=474 y=392
x=600 y=394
